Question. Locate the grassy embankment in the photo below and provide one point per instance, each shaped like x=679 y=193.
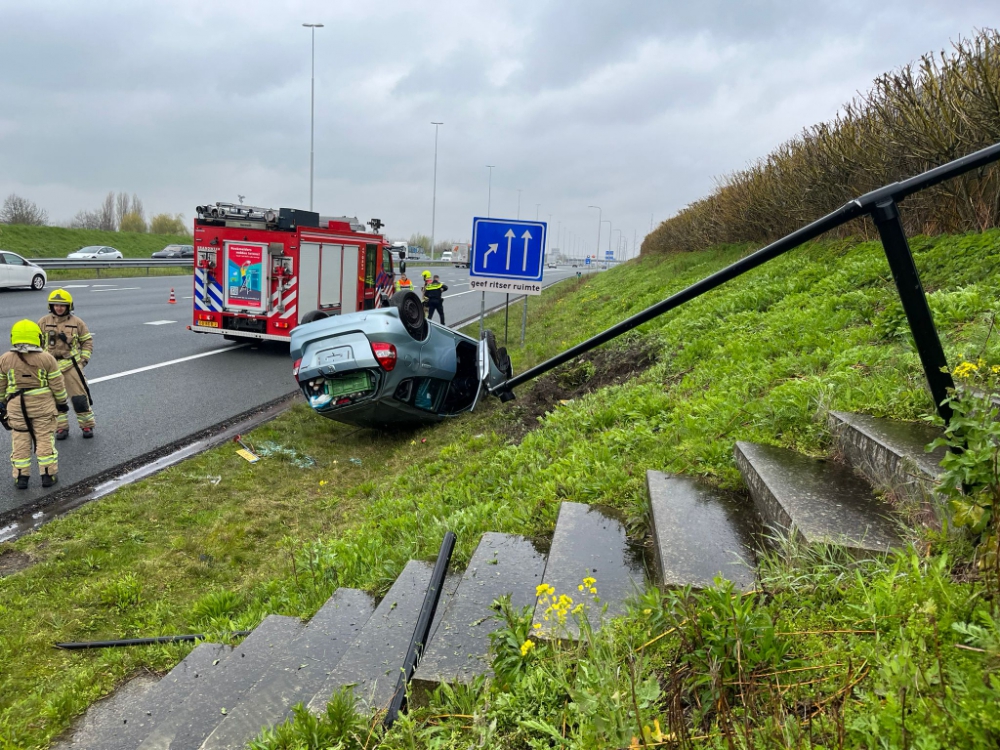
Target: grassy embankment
x=57 y=242
x=845 y=655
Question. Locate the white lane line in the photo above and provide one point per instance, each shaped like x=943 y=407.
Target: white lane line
x=159 y=322
x=96 y=285
x=74 y=286
x=191 y=297
x=119 y=289
x=471 y=291
x=165 y=364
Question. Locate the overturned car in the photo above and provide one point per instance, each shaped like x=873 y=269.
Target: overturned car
x=392 y=366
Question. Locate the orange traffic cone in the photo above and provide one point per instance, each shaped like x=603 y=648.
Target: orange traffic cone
x=173 y=299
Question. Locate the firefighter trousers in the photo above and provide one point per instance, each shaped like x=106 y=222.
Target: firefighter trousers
x=44 y=447
x=77 y=398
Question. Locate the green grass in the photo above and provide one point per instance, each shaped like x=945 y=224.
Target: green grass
x=761 y=359
x=57 y=275
x=56 y=242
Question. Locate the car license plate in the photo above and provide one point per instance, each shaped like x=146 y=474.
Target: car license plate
x=207 y=323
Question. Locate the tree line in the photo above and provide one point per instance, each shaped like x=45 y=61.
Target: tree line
x=117 y=213
x=925 y=114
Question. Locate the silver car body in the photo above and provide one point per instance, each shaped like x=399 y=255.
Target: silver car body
x=440 y=377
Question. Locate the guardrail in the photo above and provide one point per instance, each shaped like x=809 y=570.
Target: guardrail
x=63 y=263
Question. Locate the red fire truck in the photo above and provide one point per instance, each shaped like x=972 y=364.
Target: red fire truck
x=259 y=272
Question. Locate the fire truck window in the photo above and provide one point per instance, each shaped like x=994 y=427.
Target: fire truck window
x=386 y=260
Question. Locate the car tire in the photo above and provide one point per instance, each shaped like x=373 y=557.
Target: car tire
x=498 y=354
x=38 y=282
x=411 y=314
x=312 y=317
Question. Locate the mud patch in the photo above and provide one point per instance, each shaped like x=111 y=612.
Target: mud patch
x=586 y=374
x=12 y=561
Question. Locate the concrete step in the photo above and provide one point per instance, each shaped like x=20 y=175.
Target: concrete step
x=589 y=542
x=298 y=672
x=890 y=453
x=700 y=532
x=818 y=501
x=188 y=724
x=373 y=661
x=123 y=720
x=459 y=651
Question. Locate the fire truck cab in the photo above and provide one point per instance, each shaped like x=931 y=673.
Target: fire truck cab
x=259 y=272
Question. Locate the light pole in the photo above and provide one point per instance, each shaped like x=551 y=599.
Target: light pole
x=618 y=247
x=599 y=222
x=312 y=108
x=434 y=194
x=597 y=250
x=489 y=190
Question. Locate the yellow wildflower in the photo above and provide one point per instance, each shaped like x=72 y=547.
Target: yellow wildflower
x=537 y=625
x=647 y=612
x=527 y=646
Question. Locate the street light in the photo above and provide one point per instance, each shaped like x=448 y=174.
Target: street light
x=597 y=250
x=489 y=190
x=599 y=222
x=312 y=108
x=434 y=198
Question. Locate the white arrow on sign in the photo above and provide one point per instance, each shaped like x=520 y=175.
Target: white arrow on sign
x=493 y=249
x=526 y=236
x=509 y=236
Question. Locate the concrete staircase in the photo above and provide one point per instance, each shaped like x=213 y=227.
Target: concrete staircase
x=219 y=698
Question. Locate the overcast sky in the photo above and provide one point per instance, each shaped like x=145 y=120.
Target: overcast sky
x=637 y=107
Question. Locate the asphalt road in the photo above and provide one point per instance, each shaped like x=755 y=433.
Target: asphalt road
x=155 y=383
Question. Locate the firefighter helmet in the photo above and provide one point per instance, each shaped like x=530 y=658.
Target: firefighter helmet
x=426 y=274
x=60 y=297
x=26 y=332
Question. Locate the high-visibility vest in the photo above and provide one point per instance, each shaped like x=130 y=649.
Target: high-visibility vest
x=404 y=285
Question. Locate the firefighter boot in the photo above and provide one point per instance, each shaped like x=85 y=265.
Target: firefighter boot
x=88 y=432
x=21 y=482
x=49 y=479
x=62 y=434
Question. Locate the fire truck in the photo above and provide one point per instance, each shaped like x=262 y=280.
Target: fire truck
x=259 y=272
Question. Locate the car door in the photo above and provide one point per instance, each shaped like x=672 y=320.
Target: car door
x=4 y=271
x=106 y=253
x=19 y=273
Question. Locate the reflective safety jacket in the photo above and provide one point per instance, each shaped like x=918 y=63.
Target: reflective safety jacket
x=67 y=339
x=35 y=376
x=404 y=286
x=433 y=291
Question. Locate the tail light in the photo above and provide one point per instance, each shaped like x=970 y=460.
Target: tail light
x=295 y=368
x=385 y=354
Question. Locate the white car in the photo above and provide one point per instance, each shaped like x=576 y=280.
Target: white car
x=16 y=271
x=96 y=252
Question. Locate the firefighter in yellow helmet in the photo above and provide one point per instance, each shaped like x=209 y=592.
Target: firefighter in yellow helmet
x=34 y=394
x=426 y=276
x=67 y=339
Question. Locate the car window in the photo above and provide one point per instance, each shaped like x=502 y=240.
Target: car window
x=3 y=259
x=106 y=250
x=13 y=260
x=386 y=260
x=423 y=393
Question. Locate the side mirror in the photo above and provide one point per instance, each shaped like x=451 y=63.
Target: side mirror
x=402 y=266
x=402 y=255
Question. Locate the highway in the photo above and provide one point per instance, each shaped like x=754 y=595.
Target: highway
x=155 y=383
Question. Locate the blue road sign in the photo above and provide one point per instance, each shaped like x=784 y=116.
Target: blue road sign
x=609 y=255
x=586 y=262
x=508 y=249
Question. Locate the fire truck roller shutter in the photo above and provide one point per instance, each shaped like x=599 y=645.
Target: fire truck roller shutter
x=349 y=298
x=331 y=271
x=308 y=282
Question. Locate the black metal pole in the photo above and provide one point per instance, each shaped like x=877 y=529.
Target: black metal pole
x=144 y=641
x=506 y=318
x=918 y=312
x=423 y=629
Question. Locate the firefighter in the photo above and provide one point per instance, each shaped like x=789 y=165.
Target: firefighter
x=433 y=292
x=403 y=283
x=426 y=276
x=68 y=340
x=34 y=395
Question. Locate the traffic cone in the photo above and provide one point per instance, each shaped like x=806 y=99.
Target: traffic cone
x=173 y=299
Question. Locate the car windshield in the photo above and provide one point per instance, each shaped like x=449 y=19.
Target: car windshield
x=89 y=249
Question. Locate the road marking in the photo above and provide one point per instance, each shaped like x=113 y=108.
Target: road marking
x=471 y=291
x=159 y=322
x=192 y=297
x=95 y=285
x=119 y=289
x=74 y=286
x=165 y=364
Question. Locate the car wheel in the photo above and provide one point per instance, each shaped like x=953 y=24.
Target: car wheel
x=312 y=317
x=504 y=364
x=411 y=313
x=38 y=282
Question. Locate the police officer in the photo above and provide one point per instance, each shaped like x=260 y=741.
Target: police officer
x=67 y=339
x=433 y=292
x=34 y=394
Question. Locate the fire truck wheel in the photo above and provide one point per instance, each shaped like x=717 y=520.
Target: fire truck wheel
x=411 y=314
x=313 y=316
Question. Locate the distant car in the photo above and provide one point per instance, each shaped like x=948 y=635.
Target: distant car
x=96 y=252
x=392 y=366
x=175 y=251
x=16 y=271
x=552 y=265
